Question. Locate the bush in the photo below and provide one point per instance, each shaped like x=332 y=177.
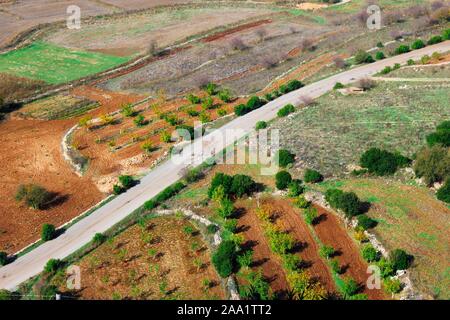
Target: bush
x=435 y=40
x=386 y=268
x=193 y=175
x=386 y=70
x=440 y=136
x=291 y=262
x=284 y=158
x=338 y=86
x=225 y=96
x=392 y=285
x=140 y=121
x=223 y=258
x=312 y=176
x=231 y=225
x=443 y=193
x=127 y=181
x=221 y=112
x=326 y=251
x=208 y=103
x=192 y=112
x=410 y=62
x=220 y=179
x=370 y=254
x=185 y=131
x=335 y=266
x=256 y=287
x=302 y=203
x=400 y=259
x=261 y=125
x=446 y=34
x=381 y=162
x=3 y=258
x=291 y=86
x=283 y=179
x=193 y=99
x=226 y=208
x=363 y=57
x=348 y=202
x=211 y=88
x=245 y=259
x=53 y=265
x=33 y=195
x=310 y=215
x=252 y=104
x=5 y=295
x=418 y=44
x=366 y=222
x=128 y=110
x=98 y=239
x=432 y=164
x=242 y=185
x=280 y=242
x=380 y=55
x=211 y=229
x=402 y=49
x=295 y=188
x=286 y=110
x=349 y=288
x=48 y=232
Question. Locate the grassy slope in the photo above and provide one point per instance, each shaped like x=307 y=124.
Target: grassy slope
x=53 y=64
x=334 y=132
x=411 y=218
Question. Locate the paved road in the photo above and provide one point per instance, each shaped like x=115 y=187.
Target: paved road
x=169 y=172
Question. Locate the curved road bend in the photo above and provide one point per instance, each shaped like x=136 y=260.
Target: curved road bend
x=169 y=172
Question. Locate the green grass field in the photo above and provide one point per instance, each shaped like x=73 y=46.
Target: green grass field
x=55 y=65
x=409 y=217
x=335 y=131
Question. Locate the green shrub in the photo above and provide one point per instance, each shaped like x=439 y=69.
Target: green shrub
x=269 y=97
x=3 y=258
x=261 y=125
x=370 y=254
x=211 y=229
x=128 y=110
x=295 y=188
x=440 y=136
x=349 y=288
x=446 y=34
x=211 y=88
x=348 y=202
x=284 y=158
x=381 y=162
x=280 y=242
x=302 y=203
x=33 y=195
x=380 y=55
x=140 y=121
x=392 y=285
x=48 y=232
x=225 y=96
x=335 y=266
x=252 y=104
x=326 y=251
x=5 y=295
x=223 y=258
x=221 y=112
x=291 y=86
x=127 y=181
x=363 y=57
x=366 y=222
x=192 y=112
x=396 y=66
x=310 y=215
x=283 y=179
x=338 y=86
x=402 y=49
x=443 y=193
x=386 y=268
x=53 y=265
x=435 y=40
x=386 y=70
x=291 y=262
x=245 y=259
x=207 y=103
x=98 y=239
x=226 y=208
x=242 y=185
x=185 y=131
x=433 y=164
x=418 y=44
x=220 y=179
x=380 y=45
x=193 y=99
x=150 y=205
x=400 y=259
x=231 y=225
x=312 y=176
x=286 y=110
x=193 y=175
x=410 y=62
x=255 y=288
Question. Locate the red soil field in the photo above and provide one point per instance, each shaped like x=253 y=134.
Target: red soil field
x=332 y=233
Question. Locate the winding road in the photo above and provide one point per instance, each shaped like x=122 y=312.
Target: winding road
x=169 y=172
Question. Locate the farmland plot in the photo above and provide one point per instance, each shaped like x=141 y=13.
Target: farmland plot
x=55 y=65
x=155 y=260
x=333 y=133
